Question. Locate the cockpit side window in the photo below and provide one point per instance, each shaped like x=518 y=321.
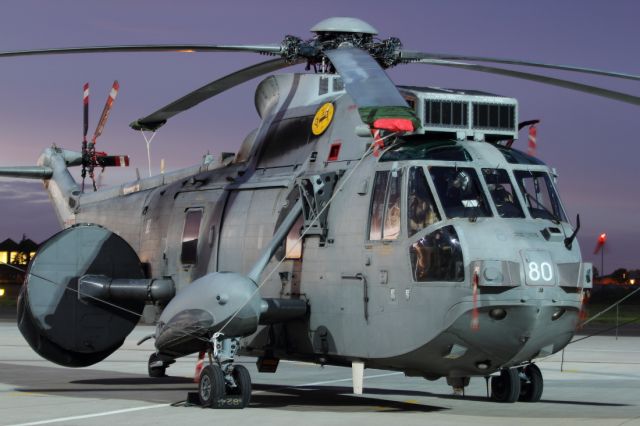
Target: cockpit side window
x=503 y=193
x=460 y=192
x=391 y=229
x=540 y=197
x=384 y=223
x=422 y=210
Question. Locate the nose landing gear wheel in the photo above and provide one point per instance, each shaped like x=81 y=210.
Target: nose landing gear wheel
x=211 y=386
x=506 y=386
x=532 y=384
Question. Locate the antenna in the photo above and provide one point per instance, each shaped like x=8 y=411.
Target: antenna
x=148 y=142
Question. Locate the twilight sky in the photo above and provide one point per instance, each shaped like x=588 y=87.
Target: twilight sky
x=591 y=141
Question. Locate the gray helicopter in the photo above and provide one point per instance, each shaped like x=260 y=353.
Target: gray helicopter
x=362 y=224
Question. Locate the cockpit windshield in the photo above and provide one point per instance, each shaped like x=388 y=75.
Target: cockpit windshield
x=460 y=192
x=539 y=195
x=503 y=192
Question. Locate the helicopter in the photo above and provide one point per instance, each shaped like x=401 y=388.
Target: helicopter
x=362 y=224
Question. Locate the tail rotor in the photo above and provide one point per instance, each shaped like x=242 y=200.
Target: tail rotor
x=90 y=157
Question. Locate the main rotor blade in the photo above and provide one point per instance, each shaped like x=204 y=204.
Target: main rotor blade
x=371 y=88
x=409 y=56
x=153 y=121
x=184 y=48
x=594 y=90
x=364 y=79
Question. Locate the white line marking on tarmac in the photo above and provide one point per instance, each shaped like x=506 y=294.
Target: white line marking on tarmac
x=325 y=382
x=346 y=380
x=149 y=407
x=88 y=416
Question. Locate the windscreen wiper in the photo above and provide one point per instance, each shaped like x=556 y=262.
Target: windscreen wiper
x=555 y=219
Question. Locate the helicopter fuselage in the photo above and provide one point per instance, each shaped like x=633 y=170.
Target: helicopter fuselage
x=443 y=256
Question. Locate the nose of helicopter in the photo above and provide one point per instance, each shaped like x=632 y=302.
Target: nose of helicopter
x=511 y=333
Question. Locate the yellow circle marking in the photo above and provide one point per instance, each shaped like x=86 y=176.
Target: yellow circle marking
x=322 y=119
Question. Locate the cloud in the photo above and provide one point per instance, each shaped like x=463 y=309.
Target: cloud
x=24 y=192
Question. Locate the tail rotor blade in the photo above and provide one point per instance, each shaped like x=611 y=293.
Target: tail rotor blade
x=113 y=160
x=107 y=110
x=85 y=104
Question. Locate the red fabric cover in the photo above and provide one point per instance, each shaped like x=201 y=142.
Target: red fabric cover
x=394 y=124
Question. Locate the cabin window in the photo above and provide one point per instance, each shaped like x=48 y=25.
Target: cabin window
x=189 y=255
x=384 y=221
x=502 y=192
x=437 y=257
x=421 y=209
x=460 y=192
x=291 y=249
x=539 y=195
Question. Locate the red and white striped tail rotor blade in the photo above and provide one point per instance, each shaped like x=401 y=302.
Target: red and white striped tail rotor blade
x=85 y=106
x=106 y=110
x=105 y=160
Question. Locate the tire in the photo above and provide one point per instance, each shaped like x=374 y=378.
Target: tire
x=243 y=385
x=506 y=386
x=532 y=384
x=155 y=367
x=211 y=386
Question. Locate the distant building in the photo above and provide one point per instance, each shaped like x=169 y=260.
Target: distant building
x=14 y=258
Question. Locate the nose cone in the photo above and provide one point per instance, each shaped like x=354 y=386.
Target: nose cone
x=221 y=301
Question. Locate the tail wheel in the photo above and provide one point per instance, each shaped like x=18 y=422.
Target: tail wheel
x=531 y=384
x=211 y=386
x=243 y=385
x=506 y=386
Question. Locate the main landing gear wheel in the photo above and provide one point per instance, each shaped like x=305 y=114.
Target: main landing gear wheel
x=156 y=367
x=506 y=386
x=211 y=387
x=531 y=384
x=242 y=390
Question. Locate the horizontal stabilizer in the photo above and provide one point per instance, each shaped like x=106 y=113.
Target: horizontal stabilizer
x=27 y=172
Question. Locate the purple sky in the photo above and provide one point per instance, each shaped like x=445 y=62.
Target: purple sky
x=591 y=141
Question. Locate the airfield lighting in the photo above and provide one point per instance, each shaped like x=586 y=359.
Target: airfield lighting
x=602 y=239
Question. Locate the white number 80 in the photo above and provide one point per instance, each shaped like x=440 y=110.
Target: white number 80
x=542 y=270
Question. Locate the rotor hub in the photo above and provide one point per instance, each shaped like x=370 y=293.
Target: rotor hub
x=340 y=32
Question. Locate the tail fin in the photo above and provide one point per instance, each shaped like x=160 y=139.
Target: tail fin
x=52 y=170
